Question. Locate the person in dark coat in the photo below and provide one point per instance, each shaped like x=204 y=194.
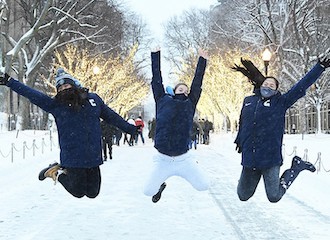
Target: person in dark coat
x=108 y=132
x=261 y=129
x=174 y=117
x=118 y=136
x=152 y=129
x=194 y=135
x=208 y=126
x=77 y=113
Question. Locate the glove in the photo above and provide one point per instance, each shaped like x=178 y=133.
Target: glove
x=4 y=79
x=238 y=148
x=325 y=62
x=251 y=72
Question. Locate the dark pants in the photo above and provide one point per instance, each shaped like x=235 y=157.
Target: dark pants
x=250 y=178
x=81 y=181
x=106 y=143
x=206 y=137
x=137 y=136
x=130 y=141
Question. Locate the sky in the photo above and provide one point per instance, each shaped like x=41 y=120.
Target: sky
x=156 y=12
x=37 y=210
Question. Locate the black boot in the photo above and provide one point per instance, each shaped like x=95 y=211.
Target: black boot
x=158 y=195
x=291 y=174
x=299 y=165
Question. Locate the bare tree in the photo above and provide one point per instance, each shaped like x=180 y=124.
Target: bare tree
x=186 y=33
x=296 y=31
x=115 y=79
x=51 y=24
x=223 y=89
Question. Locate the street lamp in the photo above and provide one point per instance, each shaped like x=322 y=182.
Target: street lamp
x=266 y=56
x=96 y=70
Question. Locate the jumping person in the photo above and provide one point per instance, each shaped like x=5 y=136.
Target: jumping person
x=174 y=117
x=77 y=113
x=261 y=129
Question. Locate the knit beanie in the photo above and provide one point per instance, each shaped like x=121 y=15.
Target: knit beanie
x=63 y=77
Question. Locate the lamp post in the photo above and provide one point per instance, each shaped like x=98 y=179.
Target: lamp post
x=266 y=56
x=96 y=71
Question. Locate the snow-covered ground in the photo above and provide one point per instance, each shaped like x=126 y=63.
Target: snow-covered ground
x=30 y=209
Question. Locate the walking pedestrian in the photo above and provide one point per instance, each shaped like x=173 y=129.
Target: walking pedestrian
x=139 y=122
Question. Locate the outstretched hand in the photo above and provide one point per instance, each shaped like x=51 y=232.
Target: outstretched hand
x=4 y=79
x=238 y=148
x=325 y=62
x=202 y=53
x=324 y=59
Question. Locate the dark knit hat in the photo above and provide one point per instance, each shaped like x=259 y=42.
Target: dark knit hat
x=63 y=77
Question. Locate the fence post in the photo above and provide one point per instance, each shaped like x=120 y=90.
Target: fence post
x=305 y=155
x=319 y=161
x=34 y=147
x=12 y=152
x=42 y=145
x=51 y=140
x=24 y=146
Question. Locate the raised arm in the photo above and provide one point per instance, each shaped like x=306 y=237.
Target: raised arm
x=157 y=81
x=196 y=85
x=36 y=97
x=299 y=89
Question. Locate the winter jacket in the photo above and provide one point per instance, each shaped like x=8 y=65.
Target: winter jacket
x=208 y=126
x=108 y=131
x=196 y=129
x=261 y=125
x=174 y=114
x=139 y=122
x=79 y=132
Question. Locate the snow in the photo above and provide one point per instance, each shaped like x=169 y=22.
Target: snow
x=30 y=209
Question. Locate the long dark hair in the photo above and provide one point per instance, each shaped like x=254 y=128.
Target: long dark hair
x=251 y=72
x=72 y=97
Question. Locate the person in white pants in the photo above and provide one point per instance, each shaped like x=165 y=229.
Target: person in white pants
x=174 y=117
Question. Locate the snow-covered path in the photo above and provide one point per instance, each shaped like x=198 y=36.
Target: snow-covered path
x=30 y=209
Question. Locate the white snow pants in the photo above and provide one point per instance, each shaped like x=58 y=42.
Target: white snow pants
x=183 y=166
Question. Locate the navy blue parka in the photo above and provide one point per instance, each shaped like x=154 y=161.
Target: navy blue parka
x=79 y=132
x=174 y=115
x=261 y=125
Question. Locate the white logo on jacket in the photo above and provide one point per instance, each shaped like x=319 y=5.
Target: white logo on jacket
x=92 y=102
x=267 y=103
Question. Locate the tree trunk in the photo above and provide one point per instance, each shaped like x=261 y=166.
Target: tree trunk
x=25 y=111
x=318 y=112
